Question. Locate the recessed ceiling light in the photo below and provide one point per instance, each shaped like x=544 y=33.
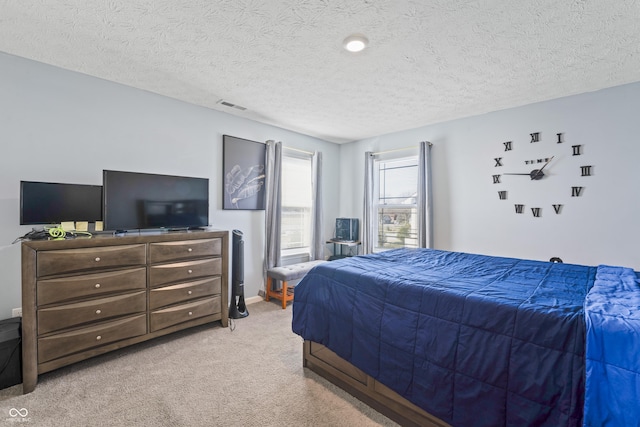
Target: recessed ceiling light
x=355 y=43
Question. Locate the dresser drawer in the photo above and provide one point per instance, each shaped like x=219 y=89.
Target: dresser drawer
x=183 y=271
x=51 y=291
x=55 y=346
x=167 y=295
x=72 y=260
x=170 y=316
x=65 y=316
x=184 y=249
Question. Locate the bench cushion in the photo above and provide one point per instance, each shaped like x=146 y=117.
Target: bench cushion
x=293 y=271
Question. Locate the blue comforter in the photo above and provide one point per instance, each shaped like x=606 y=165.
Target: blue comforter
x=612 y=311
x=474 y=340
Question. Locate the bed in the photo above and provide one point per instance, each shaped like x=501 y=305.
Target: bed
x=441 y=338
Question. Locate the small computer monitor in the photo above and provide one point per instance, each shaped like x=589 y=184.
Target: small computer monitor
x=347 y=229
x=54 y=203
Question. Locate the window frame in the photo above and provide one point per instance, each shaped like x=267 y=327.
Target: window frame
x=377 y=206
x=301 y=253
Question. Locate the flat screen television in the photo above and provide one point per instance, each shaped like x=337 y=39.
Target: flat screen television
x=134 y=200
x=53 y=203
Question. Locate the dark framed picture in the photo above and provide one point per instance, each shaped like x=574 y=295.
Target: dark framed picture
x=243 y=168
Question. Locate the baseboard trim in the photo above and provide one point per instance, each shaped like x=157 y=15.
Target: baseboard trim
x=253 y=300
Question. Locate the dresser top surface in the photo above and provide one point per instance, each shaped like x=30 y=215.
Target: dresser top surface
x=124 y=239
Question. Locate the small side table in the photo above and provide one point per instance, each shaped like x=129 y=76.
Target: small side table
x=343 y=245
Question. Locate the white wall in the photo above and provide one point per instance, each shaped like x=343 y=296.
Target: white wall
x=602 y=226
x=61 y=126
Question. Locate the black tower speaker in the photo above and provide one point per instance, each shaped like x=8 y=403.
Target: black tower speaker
x=238 y=308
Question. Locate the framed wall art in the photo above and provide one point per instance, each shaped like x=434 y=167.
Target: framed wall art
x=243 y=166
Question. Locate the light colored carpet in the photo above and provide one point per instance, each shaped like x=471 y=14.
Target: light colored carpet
x=208 y=376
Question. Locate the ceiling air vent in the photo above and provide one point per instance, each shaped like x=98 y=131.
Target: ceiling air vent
x=231 y=105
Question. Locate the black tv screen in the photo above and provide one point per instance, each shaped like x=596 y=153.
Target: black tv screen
x=53 y=203
x=135 y=200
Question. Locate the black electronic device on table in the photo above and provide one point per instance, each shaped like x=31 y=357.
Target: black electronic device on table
x=347 y=229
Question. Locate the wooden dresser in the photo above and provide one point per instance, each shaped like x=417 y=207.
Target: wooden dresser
x=88 y=296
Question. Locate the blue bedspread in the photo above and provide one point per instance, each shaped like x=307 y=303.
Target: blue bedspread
x=612 y=311
x=474 y=340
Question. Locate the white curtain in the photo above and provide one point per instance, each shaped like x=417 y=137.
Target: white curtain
x=368 y=215
x=273 y=205
x=425 y=219
x=317 y=234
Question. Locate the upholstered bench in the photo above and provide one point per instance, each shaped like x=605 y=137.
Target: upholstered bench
x=286 y=274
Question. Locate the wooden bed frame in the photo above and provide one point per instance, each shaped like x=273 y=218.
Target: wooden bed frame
x=338 y=371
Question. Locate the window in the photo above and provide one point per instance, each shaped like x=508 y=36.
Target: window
x=296 y=204
x=396 y=207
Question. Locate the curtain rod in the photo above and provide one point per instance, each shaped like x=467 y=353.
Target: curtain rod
x=298 y=150
x=397 y=149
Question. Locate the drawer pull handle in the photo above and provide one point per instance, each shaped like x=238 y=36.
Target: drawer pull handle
x=190 y=250
x=190 y=313
x=97 y=286
x=98 y=311
x=190 y=271
x=97 y=258
x=98 y=338
x=189 y=292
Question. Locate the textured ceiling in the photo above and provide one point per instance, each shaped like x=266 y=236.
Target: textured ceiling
x=428 y=60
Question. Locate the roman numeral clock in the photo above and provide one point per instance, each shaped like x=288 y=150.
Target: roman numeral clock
x=537 y=176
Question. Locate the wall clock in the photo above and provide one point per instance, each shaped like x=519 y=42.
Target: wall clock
x=539 y=175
